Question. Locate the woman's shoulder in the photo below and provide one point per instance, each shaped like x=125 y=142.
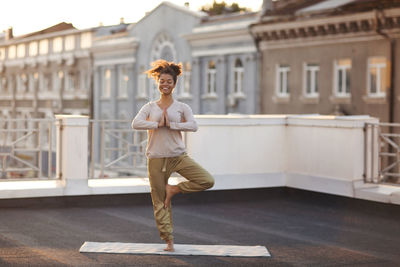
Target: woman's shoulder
x=181 y=104
x=150 y=104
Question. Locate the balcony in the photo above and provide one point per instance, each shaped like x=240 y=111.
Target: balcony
x=324 y=154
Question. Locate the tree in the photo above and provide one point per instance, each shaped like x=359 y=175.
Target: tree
x=222 y=8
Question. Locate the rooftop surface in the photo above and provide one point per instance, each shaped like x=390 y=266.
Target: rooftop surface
x=299 y=228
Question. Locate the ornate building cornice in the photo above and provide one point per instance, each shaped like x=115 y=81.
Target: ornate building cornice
x=328 y=27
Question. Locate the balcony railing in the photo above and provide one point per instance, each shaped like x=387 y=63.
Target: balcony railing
x=116 y=150
x=382 y=152
x=27 y=149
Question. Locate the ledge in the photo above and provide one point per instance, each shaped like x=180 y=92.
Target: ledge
x=340 y=99
x=281 y=99
x=309 y=99
x=209 y=96
x=375 y=100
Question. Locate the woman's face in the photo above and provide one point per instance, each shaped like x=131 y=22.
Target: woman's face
x=166 y=84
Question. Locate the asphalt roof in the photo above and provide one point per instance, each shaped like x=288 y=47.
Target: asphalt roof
x=299 y=228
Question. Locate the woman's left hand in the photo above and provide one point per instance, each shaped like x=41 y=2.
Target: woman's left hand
x=165 y=114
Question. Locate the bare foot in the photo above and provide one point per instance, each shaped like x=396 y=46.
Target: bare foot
x=170 y=246
x=171 y=190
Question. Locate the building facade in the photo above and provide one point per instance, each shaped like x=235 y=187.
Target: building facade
x=330 y=57
x=218 y=56
x=45 y=73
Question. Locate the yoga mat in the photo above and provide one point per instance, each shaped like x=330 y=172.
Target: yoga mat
x=180 y=249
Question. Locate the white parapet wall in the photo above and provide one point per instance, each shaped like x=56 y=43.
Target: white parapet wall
x=325 y=153
x=241 y=151
x=311 y=152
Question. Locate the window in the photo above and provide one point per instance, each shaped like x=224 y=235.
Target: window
x=33 y=48
x=311 y=80
x=211 y=78
x=186 y=80
x=342 y=77
x=57 y=44
x=86 y=40
x=11 y=83
x=2 y=53
x=123 y=83
x=21 y=83
x=21 y=50
x=238 y=73
x=43 y=47
x=282 y=78
x=31 y=82
x=45 y=80
x=3 y=85
x=84 y=81
x=57 y=80
x=35 y=81
x=142 y=84
x=76 y=79
x=69 y=81
x=69 y=42
x=106 y=90
x=377 y=76
x=12 y=52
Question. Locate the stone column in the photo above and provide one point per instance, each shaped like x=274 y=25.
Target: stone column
x=222 y=91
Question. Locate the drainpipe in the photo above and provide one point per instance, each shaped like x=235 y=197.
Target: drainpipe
x=258 y=60
x=392 y=52
x=392 y=71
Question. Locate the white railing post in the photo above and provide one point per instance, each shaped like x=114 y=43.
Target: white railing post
x=72 y=153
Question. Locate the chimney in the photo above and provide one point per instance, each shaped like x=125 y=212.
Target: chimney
x=267 y=6
x=9 y=33
x=122 y=21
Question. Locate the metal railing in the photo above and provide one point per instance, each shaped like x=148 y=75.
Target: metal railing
x=382 y=153
x=27 y=149
x=116 y=150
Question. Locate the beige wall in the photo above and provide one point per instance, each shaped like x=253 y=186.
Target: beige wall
x=324 y=55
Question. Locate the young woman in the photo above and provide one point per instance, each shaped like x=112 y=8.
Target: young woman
x=165 y=119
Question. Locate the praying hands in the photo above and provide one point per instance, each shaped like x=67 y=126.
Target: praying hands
x=164 y=121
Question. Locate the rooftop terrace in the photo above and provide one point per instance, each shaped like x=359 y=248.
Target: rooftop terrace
x=299 y=228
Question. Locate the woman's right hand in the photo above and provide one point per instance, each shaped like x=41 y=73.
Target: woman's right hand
x=161 y=123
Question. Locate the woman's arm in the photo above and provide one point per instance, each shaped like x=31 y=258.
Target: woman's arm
x=140 y=122
x=188 y=125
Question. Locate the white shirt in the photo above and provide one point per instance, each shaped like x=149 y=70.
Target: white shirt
x=165 y=142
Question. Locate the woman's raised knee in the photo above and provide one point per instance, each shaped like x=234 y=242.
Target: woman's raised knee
x=209 y=182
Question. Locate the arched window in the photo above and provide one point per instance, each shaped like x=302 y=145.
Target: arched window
x=163 y=48
x=238 y=74
x=211 y=78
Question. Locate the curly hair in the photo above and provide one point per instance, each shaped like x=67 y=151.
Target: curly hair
x=162 y=66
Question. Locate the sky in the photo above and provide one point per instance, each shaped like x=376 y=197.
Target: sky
x=26 y=16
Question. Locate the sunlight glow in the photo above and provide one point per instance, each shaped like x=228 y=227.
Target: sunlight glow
x=27 y=16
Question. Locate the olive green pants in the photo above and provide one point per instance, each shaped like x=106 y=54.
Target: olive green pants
x=160 y=169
